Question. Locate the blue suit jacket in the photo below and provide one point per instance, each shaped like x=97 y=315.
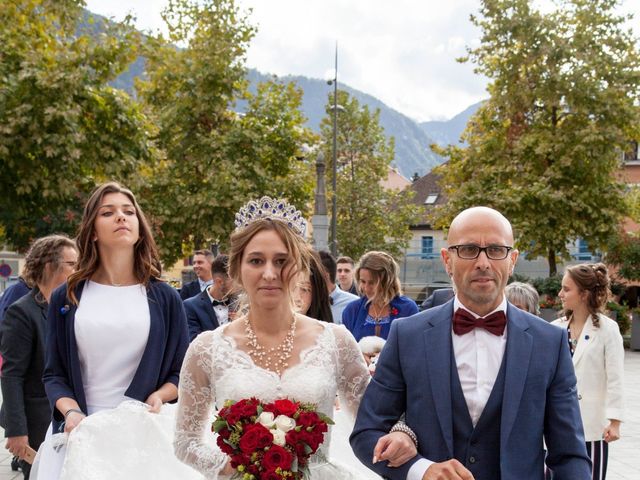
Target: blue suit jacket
x=190 y=290
x=161 y=360
x=200 y=315
x=540 y=401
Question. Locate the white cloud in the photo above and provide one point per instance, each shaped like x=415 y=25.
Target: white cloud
x=402 y=52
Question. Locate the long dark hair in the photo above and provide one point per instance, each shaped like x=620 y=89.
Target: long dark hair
x=146 y=258
x=320 y=307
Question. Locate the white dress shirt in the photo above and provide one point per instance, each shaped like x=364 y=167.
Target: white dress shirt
x=222 y=311
x=204 y=285
x=339 y=301
x=478 y=355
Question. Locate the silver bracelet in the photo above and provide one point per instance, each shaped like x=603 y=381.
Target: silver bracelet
x=73 y=410
x=406 y=429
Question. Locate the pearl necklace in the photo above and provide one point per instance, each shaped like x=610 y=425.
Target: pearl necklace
x=274 y=358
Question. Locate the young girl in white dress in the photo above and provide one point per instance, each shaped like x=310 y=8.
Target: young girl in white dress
x=271 y=352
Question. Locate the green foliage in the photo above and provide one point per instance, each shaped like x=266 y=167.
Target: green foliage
x=621 y=316
x=548 y=286
x=214 y=159
x=632 y=198
x=623 y=252
x=369 y=217
x=545 y=148
x=62 y=128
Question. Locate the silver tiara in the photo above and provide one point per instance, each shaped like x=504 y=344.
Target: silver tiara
x=268 y=207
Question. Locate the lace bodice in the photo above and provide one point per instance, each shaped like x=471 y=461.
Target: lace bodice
x=215 y=370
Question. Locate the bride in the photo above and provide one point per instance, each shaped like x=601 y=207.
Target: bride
x=271 y=352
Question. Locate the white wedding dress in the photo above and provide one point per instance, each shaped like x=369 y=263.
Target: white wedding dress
x=215 y=370
x=130 y=443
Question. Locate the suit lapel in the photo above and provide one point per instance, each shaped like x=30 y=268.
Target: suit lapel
x=208 y=306
x=587 y=336
x=518 y=352
x=438 y=351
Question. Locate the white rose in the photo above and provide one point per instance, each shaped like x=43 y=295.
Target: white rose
x=266 y=419
x=284 y=423
x=278 y=437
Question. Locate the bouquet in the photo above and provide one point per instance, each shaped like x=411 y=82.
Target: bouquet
x=270 y=441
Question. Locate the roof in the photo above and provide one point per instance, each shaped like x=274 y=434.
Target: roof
x=428 y=194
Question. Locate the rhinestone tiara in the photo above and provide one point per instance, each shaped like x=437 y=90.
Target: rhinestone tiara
x=267 y=207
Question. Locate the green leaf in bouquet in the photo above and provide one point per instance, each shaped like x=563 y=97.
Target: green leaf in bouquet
x=219 y=424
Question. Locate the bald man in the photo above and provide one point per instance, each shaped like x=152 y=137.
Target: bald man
x=482 y=382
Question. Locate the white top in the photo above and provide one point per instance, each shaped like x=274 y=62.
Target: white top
x=112 y=328
x=222 y=311
x=478 y=356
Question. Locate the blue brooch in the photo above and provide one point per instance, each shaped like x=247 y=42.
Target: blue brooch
x=64 y=310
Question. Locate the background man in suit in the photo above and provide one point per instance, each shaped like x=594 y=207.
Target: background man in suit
x=346 y=269
x=481 y=389
x=438 y=297
x=339 y=298
x=211 y=308
x=202 y=261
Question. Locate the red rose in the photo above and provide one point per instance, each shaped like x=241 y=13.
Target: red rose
x=276 y=457
x=239 y=460
x=285 y=407
x=225 y=447
x=271 y=475
x=254 y=437
x=308 y=419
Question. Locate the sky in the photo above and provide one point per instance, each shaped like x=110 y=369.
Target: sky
x=402 y=52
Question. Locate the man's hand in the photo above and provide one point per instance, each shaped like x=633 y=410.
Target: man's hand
x=17 y=445
x=396 y=447
x=449 y=470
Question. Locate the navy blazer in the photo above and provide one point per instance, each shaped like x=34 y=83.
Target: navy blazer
x=161 y=360
x=413 y=375
x=190 y=290
x=200 y=315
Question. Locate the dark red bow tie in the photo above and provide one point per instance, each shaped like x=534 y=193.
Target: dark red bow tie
x=464 y=322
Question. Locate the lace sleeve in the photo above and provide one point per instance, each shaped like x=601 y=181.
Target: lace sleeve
x=353 y=375
x=196 y=399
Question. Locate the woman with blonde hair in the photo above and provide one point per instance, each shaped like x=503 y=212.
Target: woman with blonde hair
x=382 y=301
x=272 y=352
x=598 y=358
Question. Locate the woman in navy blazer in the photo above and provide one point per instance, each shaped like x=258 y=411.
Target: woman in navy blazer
x=382 y=303
x=119 y=268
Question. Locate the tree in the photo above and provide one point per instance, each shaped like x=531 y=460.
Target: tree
x=369 y=217
x=214 y=159
x=545 y=148
x=62 y=127
x=623 y=252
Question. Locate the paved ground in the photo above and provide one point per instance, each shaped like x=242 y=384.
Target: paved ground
x=624 y=455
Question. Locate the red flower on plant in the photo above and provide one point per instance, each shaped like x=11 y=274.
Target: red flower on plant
x=276 y=457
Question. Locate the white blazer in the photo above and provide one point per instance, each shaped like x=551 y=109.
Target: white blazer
x=599 y=364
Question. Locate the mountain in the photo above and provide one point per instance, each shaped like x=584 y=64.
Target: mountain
x=448 y=132
x=411 y=141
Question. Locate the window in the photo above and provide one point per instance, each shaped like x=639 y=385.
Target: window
x=431 y=199
x=631 y=153
x=583 y=251
x=427 y=247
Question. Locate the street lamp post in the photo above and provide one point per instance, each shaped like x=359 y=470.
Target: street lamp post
x=334 y=203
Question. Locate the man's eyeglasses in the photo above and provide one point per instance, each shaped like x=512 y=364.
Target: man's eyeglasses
x=471 y=252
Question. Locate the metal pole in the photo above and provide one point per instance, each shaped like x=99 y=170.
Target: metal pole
x=334 y=205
